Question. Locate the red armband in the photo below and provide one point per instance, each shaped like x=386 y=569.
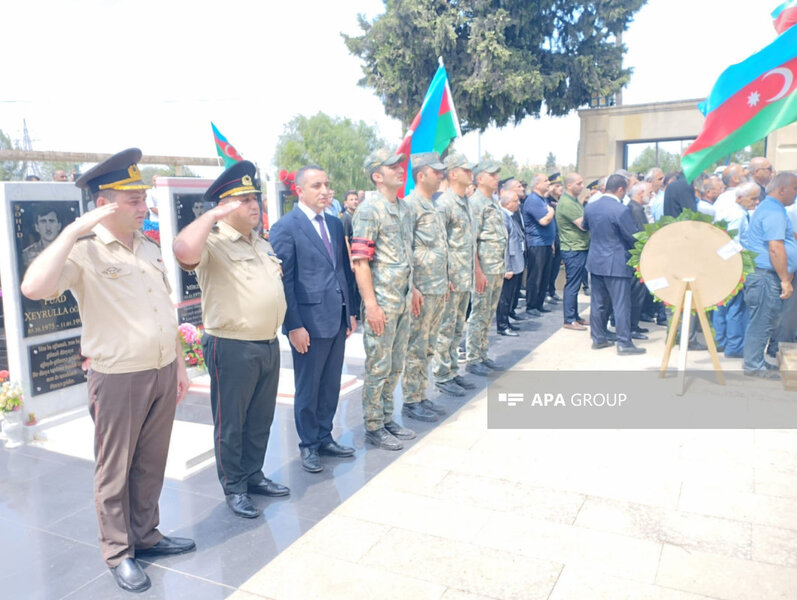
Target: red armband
x=362 y=247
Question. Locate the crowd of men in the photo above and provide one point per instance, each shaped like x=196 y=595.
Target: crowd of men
x=422 y=273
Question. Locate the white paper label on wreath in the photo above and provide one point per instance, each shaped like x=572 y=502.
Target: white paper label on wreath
x=729 y=250
x=657 y=284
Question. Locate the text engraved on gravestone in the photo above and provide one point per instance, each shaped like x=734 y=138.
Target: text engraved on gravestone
x=55 y=365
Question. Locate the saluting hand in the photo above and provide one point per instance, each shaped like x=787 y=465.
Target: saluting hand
x=222 y=210
x=85 y=223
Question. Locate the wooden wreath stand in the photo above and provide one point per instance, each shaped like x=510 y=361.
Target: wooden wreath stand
x=690 y=265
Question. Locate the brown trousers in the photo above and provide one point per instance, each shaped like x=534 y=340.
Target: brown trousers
x=133 y=415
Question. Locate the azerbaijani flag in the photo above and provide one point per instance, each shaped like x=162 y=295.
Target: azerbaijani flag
x=433 y=128
x=748 y=101
x=224 y=149
x=784 y=16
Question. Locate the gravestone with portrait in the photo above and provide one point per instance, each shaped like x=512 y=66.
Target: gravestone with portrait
x=180 y=201
x=42 y=337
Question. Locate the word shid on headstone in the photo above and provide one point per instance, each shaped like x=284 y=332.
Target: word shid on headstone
x=42 y=337
x=180 y=201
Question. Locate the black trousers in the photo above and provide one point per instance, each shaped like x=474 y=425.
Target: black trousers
x=610 y=292
x=317 y=375
x=556 y=262
x=539 y=271
x=638 y=295
x=505 y=300
x=243 y=392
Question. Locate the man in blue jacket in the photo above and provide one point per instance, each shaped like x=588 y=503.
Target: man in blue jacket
x=317 y=278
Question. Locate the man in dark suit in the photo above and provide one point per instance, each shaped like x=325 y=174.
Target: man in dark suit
x=317 y=278
x=612 y=229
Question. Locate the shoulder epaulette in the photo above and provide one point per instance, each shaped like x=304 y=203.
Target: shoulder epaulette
x=88 y=236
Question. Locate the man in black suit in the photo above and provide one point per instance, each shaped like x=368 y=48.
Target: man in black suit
x=317 y=278
x=612 y=229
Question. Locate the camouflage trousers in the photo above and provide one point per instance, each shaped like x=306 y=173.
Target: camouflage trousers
x=445 y=365
x=384 y=362
x=482 y=311
x=416 y=367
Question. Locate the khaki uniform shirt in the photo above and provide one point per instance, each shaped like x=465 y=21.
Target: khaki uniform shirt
x=490 y=233
x=430 y=250
x=241 y=282
x=459 y=234
x=129 y=323
x=382 y=233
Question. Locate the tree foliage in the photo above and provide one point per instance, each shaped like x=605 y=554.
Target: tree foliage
x=339 y=146
x=504 y=58
x=667 y=161
x=550 y=162
x=10 y=170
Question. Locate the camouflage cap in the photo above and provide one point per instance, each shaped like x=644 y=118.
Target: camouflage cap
x=427 y=159
x=381 y=158
x=487 y=166
x=455 y=160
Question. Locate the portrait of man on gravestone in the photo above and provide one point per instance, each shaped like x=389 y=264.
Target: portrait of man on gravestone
x=47 y=225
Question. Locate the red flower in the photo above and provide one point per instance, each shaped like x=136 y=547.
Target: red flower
x=4 y=375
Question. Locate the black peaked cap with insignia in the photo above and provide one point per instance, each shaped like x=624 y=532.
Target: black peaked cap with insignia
x=238 y=180
x=119 y=172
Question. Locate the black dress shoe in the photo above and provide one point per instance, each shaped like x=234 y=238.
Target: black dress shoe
x=477 y=369
x=647 y=318
x=241 y=505
x=601 y=344
x=130 y=576
x=464 y=383
x=697 y=346
x=508 y=333
x=491 y=364
x=398 y=431
x=518 y=317
x=533 y=312
x=542 y=309
x=636 y=335
x=630 y=349
x=311 y=462
x=435 y=408
x=612 y=337
x=415 y=411
x=268 y=488
x=382 y=438
x=641 y=330
x=513 y=327
x=334 y=449
x=450 y=388
x=167 y=546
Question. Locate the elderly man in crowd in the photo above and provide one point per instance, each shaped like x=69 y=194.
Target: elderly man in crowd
x=515 y=262
x=730 y=320
x=771 y=236
x=655 y=177
x=761 y=172
x=538 y=216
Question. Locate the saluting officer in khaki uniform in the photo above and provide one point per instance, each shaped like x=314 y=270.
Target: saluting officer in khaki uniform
x=243 y=306
x=119 y=280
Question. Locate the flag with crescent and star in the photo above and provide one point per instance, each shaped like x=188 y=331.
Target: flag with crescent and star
x=785 y=16
x=225 y=149
x=749 y=100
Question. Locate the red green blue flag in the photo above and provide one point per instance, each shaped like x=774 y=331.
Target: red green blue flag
x=748 y=101
x=224 y=149
x=433 y=128
x=785 y=16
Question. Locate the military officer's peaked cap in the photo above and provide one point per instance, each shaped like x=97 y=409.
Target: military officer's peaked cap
x=238 y=180
x=555 y=178
x=427 y=159
x=382 y=158
x=593 y=185
x=119 y=172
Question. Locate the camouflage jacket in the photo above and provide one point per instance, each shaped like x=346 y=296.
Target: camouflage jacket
x=430 y=250
x=459 y=234
x=382 y=233
x=490 y=233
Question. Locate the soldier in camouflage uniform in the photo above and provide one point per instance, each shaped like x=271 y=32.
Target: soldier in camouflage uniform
x=453 y=207
x=430 y=280
x=491 y=237
x=381 y=251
